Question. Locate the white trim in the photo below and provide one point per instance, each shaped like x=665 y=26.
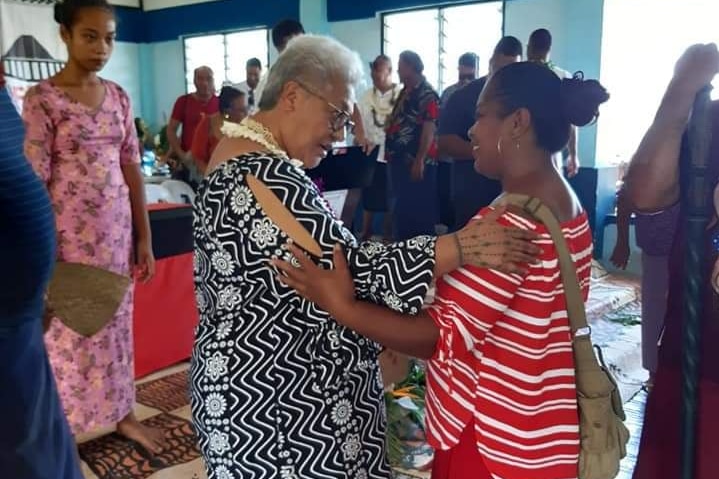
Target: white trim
x=160 y=4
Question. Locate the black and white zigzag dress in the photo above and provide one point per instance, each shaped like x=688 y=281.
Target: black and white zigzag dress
x=279 y=389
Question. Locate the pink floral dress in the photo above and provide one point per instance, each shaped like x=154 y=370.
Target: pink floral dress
x=78 y=152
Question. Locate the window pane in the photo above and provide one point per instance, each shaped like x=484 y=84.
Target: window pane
x=417 y=31
x=242 y=46
x=208 y=51
x=470 y=28
x=636 y=76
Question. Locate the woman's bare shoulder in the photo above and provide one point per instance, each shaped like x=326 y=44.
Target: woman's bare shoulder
x=231 y=148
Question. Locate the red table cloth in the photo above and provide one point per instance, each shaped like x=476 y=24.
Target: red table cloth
x=165 y=310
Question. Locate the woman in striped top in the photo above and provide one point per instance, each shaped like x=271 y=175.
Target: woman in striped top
x=501 y=399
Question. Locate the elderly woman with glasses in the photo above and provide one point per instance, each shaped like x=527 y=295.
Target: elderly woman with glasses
x=279 y=388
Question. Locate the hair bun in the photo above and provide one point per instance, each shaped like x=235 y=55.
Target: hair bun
x=580 y=99
x=59 y=12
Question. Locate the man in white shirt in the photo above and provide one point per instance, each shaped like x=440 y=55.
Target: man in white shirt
x=538 y=49
x=375 y=107
x=253 y=70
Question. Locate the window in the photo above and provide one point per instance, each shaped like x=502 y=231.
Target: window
x=226 y=54
x=638 y=60
x=441 y=35
x=417 y=31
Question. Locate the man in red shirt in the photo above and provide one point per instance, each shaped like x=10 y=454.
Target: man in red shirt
x=188 y=111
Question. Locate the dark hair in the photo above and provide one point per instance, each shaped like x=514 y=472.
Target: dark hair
x=65 y=12
x=286 y=28
x=254 y=62
x=509 y=46
x=469 y=59
x=413 y=59
x=540 y=41
x=228 y=94
x=380 y=59
x=553 y=104
x=139 y=129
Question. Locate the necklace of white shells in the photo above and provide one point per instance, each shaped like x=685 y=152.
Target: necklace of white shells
x=256 y=132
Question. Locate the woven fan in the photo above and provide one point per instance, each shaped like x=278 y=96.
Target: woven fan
x=85 y=298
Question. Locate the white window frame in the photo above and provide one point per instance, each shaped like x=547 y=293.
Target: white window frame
x=221 y=77
x=446 y=64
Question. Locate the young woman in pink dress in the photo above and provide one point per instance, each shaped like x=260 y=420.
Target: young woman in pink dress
x=81 y=141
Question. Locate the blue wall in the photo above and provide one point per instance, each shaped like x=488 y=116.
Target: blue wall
x=341 y=10
x=313 y=14
x=170 y=23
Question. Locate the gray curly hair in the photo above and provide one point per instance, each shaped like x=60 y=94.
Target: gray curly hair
x=315 y=61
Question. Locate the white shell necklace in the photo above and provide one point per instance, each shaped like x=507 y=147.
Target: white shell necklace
x=256 y=132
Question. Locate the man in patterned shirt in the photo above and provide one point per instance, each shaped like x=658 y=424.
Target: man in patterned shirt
x=411 y=152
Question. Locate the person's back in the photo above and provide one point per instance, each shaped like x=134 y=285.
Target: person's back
x=35 y=441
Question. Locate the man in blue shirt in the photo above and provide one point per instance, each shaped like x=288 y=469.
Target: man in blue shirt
x=470 y=191
x=35 y=441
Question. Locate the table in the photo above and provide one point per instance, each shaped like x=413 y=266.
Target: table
x=165 y=314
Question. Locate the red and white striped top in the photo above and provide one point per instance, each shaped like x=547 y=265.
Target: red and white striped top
x=504 y=361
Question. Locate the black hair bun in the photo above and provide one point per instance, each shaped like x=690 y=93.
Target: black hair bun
x=580 y=99
x=65 y=11
x=59 y=13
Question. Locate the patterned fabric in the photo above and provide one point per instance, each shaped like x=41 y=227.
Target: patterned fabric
x=655 y=232
x=78 y=153
x=504 y=361
x=415 y=204
x=279 y=389
x=414 y=107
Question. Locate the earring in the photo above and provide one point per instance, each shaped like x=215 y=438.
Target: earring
x=517 y=145
x=499 y=146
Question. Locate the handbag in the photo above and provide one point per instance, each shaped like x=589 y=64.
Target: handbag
x=603 y=436
x=85 y=298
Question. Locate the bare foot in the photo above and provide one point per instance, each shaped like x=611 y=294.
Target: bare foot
x=153 y=440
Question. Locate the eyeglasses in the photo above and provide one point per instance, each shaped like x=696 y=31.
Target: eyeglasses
x=342 y=119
